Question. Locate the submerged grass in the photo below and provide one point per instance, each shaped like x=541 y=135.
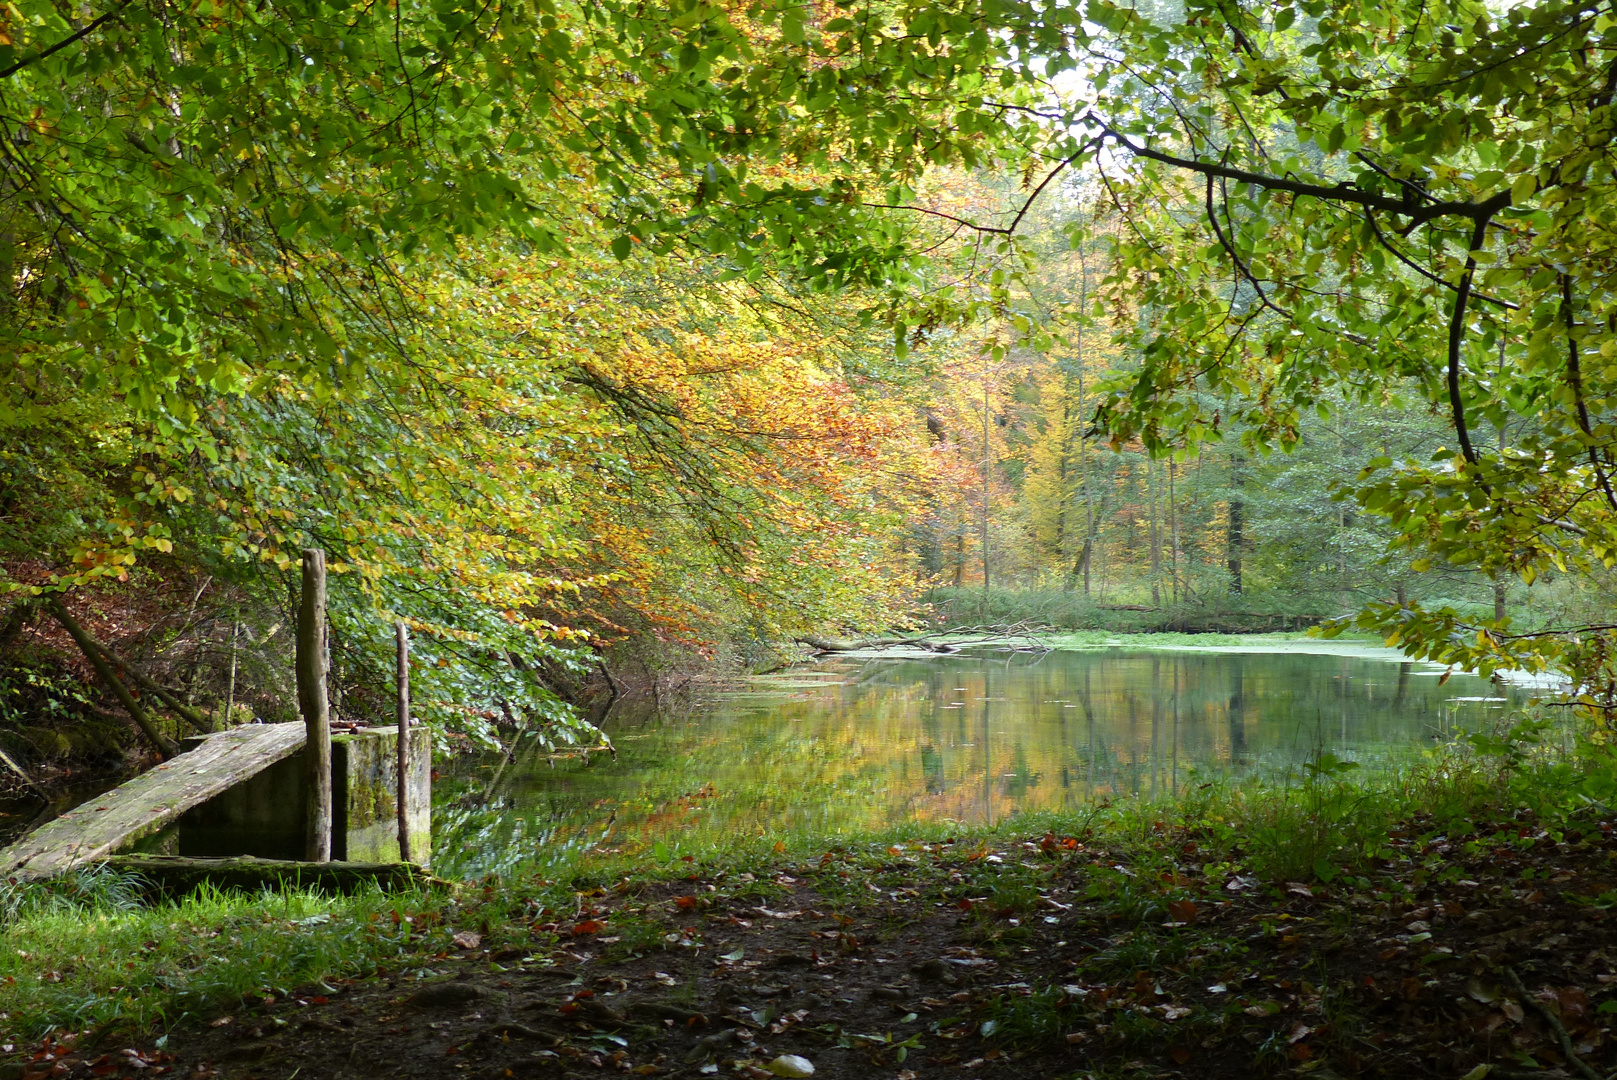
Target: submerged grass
x=87 y=952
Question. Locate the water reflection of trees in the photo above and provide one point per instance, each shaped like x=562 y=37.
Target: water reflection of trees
x=967 y=739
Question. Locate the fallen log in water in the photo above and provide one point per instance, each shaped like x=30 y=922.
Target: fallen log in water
x=986 y=634
x=833 y=645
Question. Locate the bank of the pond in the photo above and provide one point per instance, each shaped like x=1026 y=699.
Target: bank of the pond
x=1432 y=923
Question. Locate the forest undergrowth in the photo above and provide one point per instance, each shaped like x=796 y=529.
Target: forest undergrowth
x=1432 y=921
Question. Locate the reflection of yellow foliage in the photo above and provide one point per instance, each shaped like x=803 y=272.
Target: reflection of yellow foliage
x=906 y=745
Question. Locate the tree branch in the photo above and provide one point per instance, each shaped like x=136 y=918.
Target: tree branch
x=1342 y=192
x=1554 y=1021
x=1574 y=377
x=87 y=645
x=1370 y=216
x=162 y=693
x=1462 y=294
x=997 y=230
x=78 y=35
x=1246 y=271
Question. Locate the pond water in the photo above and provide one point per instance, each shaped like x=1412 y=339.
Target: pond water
x=862 y=743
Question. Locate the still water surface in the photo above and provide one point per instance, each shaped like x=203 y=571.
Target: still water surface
x=865 y=743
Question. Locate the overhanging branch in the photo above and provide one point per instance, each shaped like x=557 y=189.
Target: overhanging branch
x=1343 y=192
x=1462 y=294
x=78 y=35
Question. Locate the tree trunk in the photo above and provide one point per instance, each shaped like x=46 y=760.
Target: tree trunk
x=1155 y=526
x=1083 y=463
x=5 y=759
x=1341 y=558
x=92 y=652
x=1061 y=487
x=311 y=671
x=157 y=690
x=987 y=455
x=960 y=554
x=1235 y=536
x=1498 y=599
x=230 y=691
x=162 y=693
x=402 y=637
x=1173 y=534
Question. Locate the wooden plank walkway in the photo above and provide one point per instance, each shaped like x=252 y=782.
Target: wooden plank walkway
x=150 y=801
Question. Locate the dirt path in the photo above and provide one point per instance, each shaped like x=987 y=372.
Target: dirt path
x=1047 y=958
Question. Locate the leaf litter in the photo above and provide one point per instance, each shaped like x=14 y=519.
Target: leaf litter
x=1492 y=953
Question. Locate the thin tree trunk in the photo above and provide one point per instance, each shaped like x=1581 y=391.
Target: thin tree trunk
x=92 y=652
x=1155 y=532
x=986 y=456
x=156 y=689
x=1173 y=534
x=1083 y=464
x=1498 y=581
x=402 y=636
x=5 y=759
x=185 y=712
x=1085 y=478
x=1235 y=537
x=1061 y=487
x=312 y=699
x=1341 y=557
x=230 y=692
x=960 y=554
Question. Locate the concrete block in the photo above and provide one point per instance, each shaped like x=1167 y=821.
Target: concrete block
x=264 y=815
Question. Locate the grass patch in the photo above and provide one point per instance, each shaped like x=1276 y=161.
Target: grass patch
x=103 y=966
x=86 y=952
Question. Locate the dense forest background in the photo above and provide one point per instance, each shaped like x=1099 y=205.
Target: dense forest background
x=596 y=343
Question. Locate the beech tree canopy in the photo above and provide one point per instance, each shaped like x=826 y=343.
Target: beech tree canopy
x=229 y=231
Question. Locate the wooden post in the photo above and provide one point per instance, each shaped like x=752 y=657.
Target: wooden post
x=402 y=635
x=230 y=694
x=311 y=671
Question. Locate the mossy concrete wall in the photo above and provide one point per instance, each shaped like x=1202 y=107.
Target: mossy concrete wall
x=264 y=815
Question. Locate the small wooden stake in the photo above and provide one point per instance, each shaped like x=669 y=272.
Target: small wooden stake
x=230 y=694
x=311 y=670
x=402 y=636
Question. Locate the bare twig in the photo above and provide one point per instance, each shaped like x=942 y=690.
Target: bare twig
x=5 y=759
x=1554 y=1022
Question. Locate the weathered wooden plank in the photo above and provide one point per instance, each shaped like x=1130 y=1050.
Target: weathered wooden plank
x=149 y=801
